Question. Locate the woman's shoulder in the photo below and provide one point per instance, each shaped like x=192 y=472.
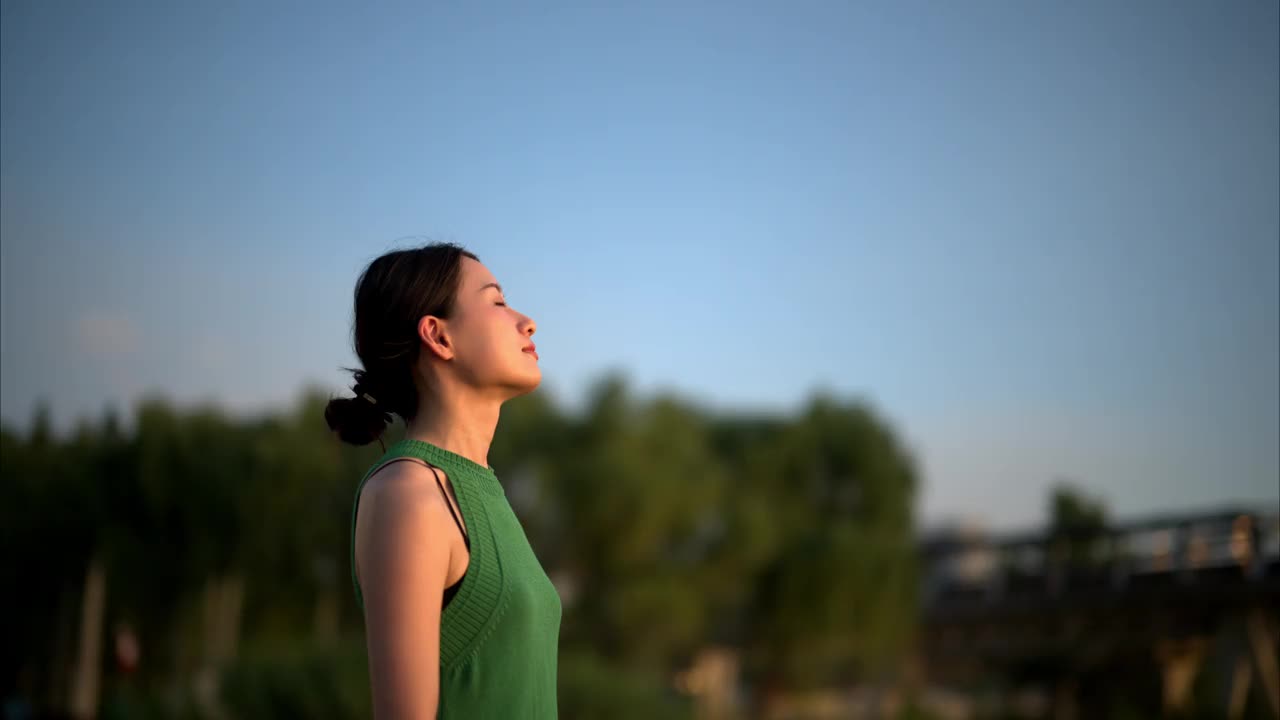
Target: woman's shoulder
x=406 y=491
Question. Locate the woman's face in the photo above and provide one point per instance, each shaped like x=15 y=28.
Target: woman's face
x=492 y=342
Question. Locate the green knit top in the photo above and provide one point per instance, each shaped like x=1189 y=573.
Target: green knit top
x=499 y=635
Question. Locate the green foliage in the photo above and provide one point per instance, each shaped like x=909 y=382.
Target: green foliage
x=1072 y=510
x=836 y=594
x=592 y=687
x=912 y=710
x=787 y=538
x=129 y=703
x=1078 y=524
x=329 y=681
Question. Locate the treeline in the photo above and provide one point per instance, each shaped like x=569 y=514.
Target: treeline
x=197 y=565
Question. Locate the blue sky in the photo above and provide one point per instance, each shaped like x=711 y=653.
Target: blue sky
x=1043 y=240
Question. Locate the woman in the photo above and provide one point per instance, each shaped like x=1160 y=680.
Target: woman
x=462 y=620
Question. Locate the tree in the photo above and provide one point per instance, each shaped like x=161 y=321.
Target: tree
x=837 y=597
x=638 y=493
x=224 y=543
x=1077 y=525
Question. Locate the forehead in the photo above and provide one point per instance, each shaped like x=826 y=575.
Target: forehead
x=475 y=275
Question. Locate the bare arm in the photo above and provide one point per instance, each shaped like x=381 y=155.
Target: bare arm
x=402 y=558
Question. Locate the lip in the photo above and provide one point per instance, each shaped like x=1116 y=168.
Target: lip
x=532 y=350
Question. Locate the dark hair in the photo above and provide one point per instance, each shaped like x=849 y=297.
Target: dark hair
x=392 y=294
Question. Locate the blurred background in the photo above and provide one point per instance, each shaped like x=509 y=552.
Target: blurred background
x=903 y=360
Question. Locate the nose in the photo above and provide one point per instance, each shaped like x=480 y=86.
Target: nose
x=528 y=326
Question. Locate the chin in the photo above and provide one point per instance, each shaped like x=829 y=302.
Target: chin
x=524 y=383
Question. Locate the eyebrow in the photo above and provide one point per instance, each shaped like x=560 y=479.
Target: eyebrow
x=491 y=285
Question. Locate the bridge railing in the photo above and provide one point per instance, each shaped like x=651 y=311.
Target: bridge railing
x=1212 y=548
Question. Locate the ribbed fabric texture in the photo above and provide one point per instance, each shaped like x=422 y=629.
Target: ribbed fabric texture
x=499 y=636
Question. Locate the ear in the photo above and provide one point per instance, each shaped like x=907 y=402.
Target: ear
x=434 y=334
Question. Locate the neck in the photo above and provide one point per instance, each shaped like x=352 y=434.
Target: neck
x=458 y=422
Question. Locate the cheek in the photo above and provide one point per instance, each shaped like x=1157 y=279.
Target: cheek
x=491 y=342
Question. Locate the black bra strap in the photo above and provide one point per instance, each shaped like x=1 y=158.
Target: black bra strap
x=465 y=537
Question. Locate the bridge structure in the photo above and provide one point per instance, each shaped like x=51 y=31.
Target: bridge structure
x=1165 y=601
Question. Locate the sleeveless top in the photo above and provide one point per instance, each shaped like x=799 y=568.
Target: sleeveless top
x=500 y=631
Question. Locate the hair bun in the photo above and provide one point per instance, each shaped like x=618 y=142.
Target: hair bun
x=356 y=420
